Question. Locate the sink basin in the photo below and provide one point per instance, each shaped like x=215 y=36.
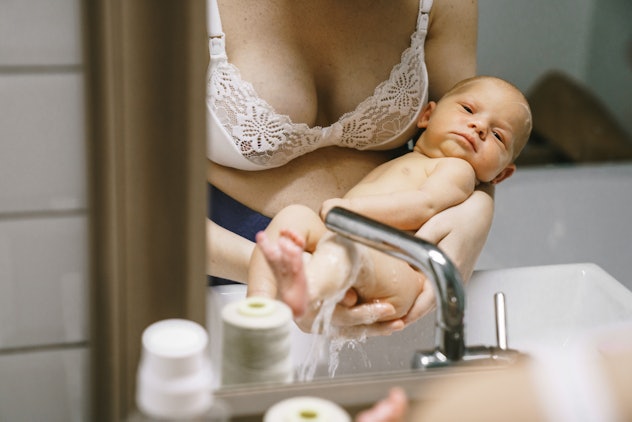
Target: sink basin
x=546 y=306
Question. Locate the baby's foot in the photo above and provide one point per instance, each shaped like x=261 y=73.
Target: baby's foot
x=286 y=261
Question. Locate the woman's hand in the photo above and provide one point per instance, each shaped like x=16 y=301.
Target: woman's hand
x=352 y=319
x=384 y=293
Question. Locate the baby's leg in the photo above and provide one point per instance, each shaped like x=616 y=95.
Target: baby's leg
x=323 y=281
x=276 y=266
x=285 y=258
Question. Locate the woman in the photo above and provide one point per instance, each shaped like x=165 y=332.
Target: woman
x=307 y=97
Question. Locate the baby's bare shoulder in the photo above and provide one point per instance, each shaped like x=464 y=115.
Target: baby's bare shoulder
x=454 y=165
x=457 y=163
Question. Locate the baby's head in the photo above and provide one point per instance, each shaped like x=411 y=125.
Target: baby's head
x=483 y=120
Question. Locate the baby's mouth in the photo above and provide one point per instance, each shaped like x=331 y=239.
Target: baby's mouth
x=469 y=139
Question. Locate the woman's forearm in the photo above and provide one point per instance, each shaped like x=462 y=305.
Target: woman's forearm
x=461 y=231
x=227 y=254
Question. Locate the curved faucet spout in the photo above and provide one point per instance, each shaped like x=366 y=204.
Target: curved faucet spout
x=423 y=256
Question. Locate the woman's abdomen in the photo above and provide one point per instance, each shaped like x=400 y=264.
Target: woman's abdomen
x=308 y=180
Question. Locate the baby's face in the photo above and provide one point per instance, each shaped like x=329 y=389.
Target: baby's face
x=485 y=122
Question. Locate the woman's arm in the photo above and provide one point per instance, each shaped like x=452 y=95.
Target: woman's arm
x=228 y=254
x=461 y=232
x=451 y=44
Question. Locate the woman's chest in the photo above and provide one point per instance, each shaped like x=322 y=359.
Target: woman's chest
x=316 y=60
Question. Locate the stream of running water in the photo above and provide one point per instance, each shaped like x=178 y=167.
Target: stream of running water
x=323 y=330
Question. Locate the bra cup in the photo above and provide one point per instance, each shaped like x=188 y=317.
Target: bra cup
x=246 y=133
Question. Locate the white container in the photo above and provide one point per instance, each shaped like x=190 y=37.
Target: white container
x=174 y=375
x=306 y=409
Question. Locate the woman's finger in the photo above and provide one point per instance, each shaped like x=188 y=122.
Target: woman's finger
x=376 y=329
x=358 y=320
x=363 y=314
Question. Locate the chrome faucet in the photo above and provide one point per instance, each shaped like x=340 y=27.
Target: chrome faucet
x=445 y=279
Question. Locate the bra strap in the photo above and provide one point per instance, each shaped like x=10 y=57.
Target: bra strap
x=424 y=6
x=424 y=11
x=216 y=43
x=213 y=20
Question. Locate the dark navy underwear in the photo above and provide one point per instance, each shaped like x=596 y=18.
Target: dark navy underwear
x=234 y=216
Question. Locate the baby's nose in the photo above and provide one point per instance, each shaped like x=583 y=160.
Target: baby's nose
x=479 y=127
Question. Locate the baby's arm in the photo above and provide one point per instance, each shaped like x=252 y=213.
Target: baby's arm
x=451 y=182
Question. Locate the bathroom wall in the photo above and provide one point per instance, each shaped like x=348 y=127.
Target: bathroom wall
x=521 y=41
x=589 y=40
x=610 y=63
x=43 y=216
x=563 y=215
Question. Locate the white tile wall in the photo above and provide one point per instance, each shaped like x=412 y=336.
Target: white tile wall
x=43 y=298
x=49 y=385
x=43 y=218
x=42 y=153
x=39 y=32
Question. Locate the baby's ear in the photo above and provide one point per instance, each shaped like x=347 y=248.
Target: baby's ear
x=505 y=173
x=424 y=117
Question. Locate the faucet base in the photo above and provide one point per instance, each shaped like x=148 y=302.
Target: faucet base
x=481 y=355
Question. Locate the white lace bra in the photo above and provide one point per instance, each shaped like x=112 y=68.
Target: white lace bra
x=245 y=132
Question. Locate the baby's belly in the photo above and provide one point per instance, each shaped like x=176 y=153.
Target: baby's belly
x=308 y=180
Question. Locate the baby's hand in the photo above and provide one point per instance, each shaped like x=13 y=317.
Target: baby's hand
x=328 y=204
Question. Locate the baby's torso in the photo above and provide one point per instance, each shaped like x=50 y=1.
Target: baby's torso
x=405 y=173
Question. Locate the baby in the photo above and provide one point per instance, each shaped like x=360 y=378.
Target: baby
x=471 y=136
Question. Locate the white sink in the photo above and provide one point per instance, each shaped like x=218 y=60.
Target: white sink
x=546 y=306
